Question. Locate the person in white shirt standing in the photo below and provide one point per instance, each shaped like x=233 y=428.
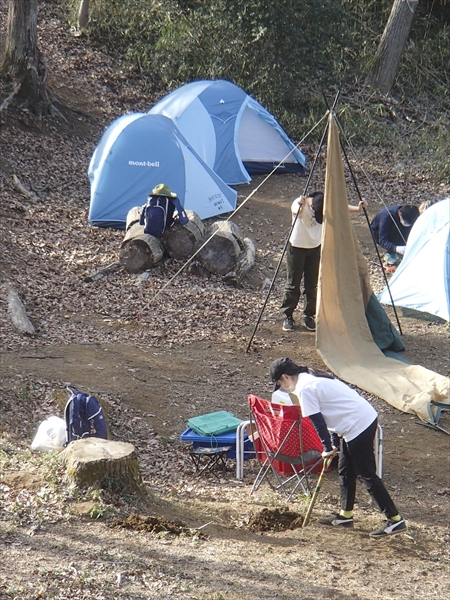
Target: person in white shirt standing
x=334 y=407
x=303 y=258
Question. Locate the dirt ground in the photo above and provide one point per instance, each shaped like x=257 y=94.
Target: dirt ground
x=156 y=362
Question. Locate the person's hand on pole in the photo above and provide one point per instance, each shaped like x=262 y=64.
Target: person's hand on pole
x=354 y=209
x=329 y=454
x=362 y=204
x=298 y=204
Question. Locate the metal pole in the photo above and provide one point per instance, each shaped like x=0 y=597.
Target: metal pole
x=289 y=235
x=368 y=223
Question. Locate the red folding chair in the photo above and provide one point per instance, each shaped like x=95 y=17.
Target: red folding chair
x=286 y=445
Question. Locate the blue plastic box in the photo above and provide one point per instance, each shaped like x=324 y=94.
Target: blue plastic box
x=226 y=439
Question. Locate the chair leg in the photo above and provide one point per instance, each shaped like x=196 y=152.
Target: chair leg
x=262 y=474
x=379 y=451
x=306 y=488
x=267 y=469
x=240 y=443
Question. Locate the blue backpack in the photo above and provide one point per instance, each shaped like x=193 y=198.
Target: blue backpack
x=84 y=417
x=158 y=214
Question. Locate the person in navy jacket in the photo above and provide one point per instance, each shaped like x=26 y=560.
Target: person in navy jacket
x=391 y=228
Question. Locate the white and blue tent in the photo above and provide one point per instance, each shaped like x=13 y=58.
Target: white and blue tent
x=139 y=151
x=421 y=284
x=231 y=131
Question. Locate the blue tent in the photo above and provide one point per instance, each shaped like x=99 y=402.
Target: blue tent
x=421 y=284
x=232 y=132
x=139 y=151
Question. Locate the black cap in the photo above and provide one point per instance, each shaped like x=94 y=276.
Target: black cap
x=284 y=366
x=409 y=214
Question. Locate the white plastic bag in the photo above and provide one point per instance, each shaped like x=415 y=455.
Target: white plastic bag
x=51 y=435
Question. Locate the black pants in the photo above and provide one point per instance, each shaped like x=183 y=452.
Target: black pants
x=357 y=460
x=301 y=262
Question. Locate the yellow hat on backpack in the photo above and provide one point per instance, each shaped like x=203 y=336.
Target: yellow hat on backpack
x=163 y=190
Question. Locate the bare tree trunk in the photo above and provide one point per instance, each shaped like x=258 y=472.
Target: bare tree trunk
x=83 y=14
x=23 y=63
x=387 y=58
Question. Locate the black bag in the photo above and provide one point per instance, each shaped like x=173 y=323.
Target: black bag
x=84 y=417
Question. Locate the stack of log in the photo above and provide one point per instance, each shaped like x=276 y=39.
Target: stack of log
x=222 y=248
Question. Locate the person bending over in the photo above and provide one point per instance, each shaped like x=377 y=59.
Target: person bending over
x=334 y=407
x=303 y=257
x=391 y=228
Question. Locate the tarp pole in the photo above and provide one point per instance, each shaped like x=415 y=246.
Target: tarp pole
x=368 y=222
x=261 y=312
x=227 y=219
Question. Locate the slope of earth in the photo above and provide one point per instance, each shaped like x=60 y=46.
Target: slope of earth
x=155 y=362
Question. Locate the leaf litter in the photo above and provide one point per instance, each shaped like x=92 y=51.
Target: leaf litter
x=185 y=355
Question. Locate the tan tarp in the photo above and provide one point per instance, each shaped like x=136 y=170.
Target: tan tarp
x=343 y=338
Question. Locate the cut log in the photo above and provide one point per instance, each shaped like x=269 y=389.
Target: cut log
x=107 y=464
x=221 y=253
x=181 y=241
x=133 y=216
x=18 y=313
x=139 y=251
x=245 y=262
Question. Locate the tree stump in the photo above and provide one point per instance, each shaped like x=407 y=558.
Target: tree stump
x=221 y=253
x=108 y=464
x=139 y=251
x=180 y=241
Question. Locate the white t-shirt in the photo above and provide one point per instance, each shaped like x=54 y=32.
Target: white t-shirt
x=307 y=233
x=345 y=412
x=280 y=397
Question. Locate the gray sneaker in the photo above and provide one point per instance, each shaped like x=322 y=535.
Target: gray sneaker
x=389 y=528
x=309 y=323
x=288 y=323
